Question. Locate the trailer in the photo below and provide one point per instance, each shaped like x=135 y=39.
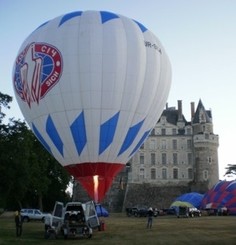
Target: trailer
x=75 y=219
x=182 y=211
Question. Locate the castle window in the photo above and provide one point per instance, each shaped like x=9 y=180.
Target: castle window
x=202 y=116
x=189 y=131
x=164 y=173
x=163 y=144
x=210 y=160
x=175 y=158
x=141 y=159
x=163 y=120
x=163 y=158
x=153 y=158
x=189 y=144
x=190 y=158
x=205 y=175
x=141 y=173
x=174 y=131
x=175 y=173
x=174 y=144
x=152 y=144
x=163 y=131
x=190 y=173
x=153 y=173
x=142 y=146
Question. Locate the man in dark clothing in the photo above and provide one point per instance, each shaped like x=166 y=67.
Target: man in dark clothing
x=18 y=223
x=150 y=214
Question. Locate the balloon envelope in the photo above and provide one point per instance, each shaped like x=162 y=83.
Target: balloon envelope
x=91 y=86
x=221 y=195
x=194 y=198
x=181 y=204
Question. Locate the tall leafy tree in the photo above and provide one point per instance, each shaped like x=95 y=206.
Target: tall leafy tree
x=48 y=179
x=15 y=150
x=10 y=155
x=29 y=175
x=4 y=103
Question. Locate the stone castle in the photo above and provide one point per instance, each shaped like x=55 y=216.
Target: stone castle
x=179 y=156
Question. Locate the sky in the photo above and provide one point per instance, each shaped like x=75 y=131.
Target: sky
x=199 y=37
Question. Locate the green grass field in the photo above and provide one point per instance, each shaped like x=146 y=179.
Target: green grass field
x=122 y=230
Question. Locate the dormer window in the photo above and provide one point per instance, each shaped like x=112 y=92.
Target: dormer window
x=163 y=120
x=202 y=116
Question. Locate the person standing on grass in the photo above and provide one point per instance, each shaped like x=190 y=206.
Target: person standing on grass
x=150 y=214
x=18 y=223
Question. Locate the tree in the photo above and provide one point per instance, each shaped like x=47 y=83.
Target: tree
x=4 y=102
x=14 y=171
x=29 y=175
x=48 y=180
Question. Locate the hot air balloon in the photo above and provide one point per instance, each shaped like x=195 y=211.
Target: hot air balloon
x=222 y=196
x=91 y=85
x=194 y=198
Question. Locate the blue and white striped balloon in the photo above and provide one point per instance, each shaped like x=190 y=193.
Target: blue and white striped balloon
x=91 y=86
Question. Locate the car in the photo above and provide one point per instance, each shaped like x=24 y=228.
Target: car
x=142 y=212
x=28 y=214
x=137 y=211
x=193 y=212
x=167 y=211
x=129 y=212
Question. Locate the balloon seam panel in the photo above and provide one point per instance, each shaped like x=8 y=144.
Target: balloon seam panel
x=54 y=135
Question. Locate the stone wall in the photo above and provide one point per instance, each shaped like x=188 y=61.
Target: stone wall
x=152 y=195
x=120 y=197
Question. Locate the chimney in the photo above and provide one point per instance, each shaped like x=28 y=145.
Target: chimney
x=192 y=109
x=166 y=106
x=180 y=113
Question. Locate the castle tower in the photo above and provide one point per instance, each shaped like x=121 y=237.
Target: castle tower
x=206 y=145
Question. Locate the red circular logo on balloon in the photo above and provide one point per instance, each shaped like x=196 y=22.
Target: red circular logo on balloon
x=37 y=69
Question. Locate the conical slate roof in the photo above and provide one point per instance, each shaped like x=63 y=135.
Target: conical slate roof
x=201 y=114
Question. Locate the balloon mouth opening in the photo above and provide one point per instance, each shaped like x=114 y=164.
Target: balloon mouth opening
x=95 y=186
x=95 y=178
